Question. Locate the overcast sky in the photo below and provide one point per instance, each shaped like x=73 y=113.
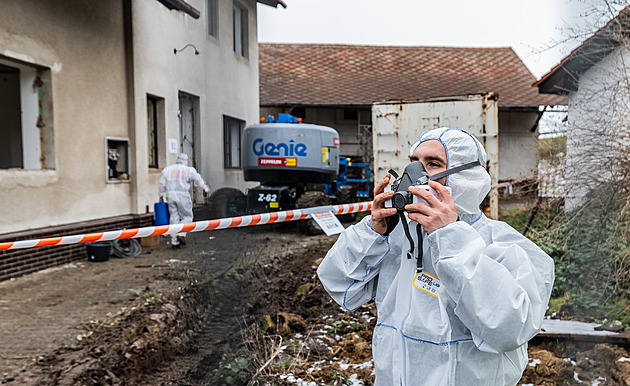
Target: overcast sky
x=526 y=26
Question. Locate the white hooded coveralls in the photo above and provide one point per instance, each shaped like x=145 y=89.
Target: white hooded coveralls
x=175 y=183
x=467 y=317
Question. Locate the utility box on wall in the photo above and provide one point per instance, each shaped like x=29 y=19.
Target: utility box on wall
x=117 y=160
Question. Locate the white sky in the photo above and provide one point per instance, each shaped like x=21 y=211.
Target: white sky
x=528 y=26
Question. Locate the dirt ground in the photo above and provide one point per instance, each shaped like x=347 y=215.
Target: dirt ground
x=232 y=307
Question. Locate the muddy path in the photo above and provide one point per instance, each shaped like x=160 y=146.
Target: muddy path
x=245 y=305
x=180 y=320
x=268 y=270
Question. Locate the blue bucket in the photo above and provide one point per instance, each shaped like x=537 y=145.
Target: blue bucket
x=160 y=212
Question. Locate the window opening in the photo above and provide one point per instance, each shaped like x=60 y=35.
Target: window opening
x=299 y=112
x=152 y=131
x=117 y=155
x=213 y=19
x=26 y=138
x=350 y=115
x=232 y=129
x=239 y=18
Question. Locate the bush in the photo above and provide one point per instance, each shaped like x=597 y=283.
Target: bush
x=591 y=252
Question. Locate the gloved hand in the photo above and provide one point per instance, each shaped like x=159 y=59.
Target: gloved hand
x=162 y=198
x=205 y=193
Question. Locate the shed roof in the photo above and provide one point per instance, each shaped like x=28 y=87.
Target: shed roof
x=564 y=77
x=332 y=74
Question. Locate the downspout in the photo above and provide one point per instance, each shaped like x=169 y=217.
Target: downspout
x=131 y=113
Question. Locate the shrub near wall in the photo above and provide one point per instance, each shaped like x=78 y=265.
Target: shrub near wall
x=591 y=250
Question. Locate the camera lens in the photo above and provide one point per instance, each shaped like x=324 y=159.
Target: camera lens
x=400 y=200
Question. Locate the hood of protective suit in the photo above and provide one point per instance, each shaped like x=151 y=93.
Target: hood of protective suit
x=470 y=186
x=182 y=159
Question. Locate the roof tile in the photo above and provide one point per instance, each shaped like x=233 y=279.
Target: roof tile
x=331 y=74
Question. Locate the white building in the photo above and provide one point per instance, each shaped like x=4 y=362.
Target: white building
x=97 y=97
x=595 y=78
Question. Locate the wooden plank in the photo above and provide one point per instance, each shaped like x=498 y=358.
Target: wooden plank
x=580 y=331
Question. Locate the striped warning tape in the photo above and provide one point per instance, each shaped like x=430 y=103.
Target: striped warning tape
x=231 y=222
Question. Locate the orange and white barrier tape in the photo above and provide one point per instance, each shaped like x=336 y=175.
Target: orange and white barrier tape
x=231 y=222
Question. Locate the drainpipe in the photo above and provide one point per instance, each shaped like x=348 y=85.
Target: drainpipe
x=131 y=113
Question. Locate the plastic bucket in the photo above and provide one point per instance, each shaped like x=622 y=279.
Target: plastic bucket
x=99 y=250
x=160 y=212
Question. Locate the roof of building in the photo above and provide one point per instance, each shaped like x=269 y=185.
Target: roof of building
x=183 y=6
x=273 y=3
x=353 y=75
x=563 y=78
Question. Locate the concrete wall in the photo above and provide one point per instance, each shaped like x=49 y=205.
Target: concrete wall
x=79 y=47
x=598 y=122
x=225 y=83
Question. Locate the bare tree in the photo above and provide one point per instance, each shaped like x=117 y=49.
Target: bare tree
x=591 y=239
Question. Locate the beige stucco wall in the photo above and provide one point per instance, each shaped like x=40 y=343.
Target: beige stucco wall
x=224 y=82
x=80 y=46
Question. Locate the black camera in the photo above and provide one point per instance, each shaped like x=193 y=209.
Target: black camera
x=414 y=175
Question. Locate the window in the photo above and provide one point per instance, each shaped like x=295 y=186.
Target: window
x=152 y=131
x=239 y=18
x=213 y=18
x=26 y=135
x=232 y=129
x=117 y=155
x=155 y=132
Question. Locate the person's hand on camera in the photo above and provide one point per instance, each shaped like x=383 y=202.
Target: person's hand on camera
x=379 y=212
x=437 y=213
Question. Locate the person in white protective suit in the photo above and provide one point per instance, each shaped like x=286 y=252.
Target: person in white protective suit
x=175 y=183
x=461 y=309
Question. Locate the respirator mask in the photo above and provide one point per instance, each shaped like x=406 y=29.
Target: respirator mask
x=414 y=175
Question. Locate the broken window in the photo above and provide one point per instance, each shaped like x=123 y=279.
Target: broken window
x=155 y=130
x=117 y=165
x=25 y=110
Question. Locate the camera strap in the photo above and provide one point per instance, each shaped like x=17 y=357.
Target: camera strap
x=419 y=232
x=403 y=220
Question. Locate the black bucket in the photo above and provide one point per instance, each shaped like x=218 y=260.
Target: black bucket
x=99 y=250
